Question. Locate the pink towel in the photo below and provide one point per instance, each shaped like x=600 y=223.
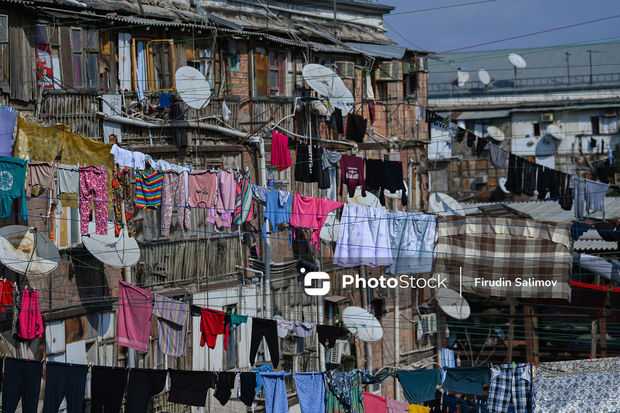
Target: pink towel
x=135 y=306
x=396 y=406
x=29 y=321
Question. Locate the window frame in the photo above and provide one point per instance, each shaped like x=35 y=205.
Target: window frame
x=150 y=64
x=5 y=57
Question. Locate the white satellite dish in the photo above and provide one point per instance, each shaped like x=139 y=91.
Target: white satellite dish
x=445 y=205
x=361 y=322
x=116 y=252
x=193 y=88
x=327 y=83
x=484 y=77
x=282 y=332
x=517 y=61
x=502 y=185
x=553 y=131
x=453 y=304
x=462 y=78
x=496 y=133
x=27 y=251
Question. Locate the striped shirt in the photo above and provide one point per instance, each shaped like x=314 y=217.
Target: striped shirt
x=172 y=320
x=148 y=190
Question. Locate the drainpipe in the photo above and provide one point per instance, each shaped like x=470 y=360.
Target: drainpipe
x=367 y=345
x=397 y=337
x=262 y=287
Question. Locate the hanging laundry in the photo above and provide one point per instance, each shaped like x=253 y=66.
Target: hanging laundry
x=172 y=323
x=22 y=380
x=30 y=321
x=224 y=385
x=268 y=329
x=595 y=196
x=226 y=112
x=202 y=189
x=579 y=196
x=566 y=196
x=529 y=178
x=466 y=379
x=337 y=122
x=174 y=197
x=165 y=100
x=259 y=378
x=416 y=408
x=344 y=392
x=393 y=181
x=213 y=324
x=374 y=174
x=329 y=334
x=608 y=231
x=8 y=118
x=276 y=400
x=307 y=163
x=510 y=384
x=142 y=386
x=577 y=385
x=304 y=330
x=447 y=358
x=6 y=295
x=221 y=215
x=93 y=184
x=355 y=128
x=419 y=386
x=543 y=183
x=121 y=192
x=371 y=111
x=352 y=174
x=555 y=187
x=148 y=190
x=247 y=388
x=363 y=238
x=276 y=211
x=323 y=178
x=397 y=406
x=135 y=307
x=311 y=392
x=330 y=162
x=41 y=175
x=64 y=381
x=514 y=183
x=244 y=204
x=311 y=213
x=497 y=156
x=129 y=159
x=374 y=403
x=107 y=387
x=190 y=387
x=412 y=242
x=12 y=185
x=280 y=154
x=235 y=320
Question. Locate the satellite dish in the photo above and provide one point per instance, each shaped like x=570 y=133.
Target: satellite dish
x=361 y=322
x=27 y=251
x=327 y=83
x=282 y=332
x=193 y=88
x=453 y=304
x=502 y=185
x=445 y=205
x=116 y=252
x=484 y=77
x=517 y=61
x=553 y=131
x=462 y=78
x=495 y=133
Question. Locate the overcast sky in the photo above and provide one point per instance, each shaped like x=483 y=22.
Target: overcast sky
x=458 y=27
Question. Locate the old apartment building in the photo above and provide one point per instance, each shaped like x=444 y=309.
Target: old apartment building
x=106 y=70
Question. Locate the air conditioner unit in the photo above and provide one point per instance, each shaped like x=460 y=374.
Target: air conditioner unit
x=4 y=28
x=334 y=355
x=345 y=69
x=419 y=64
x=388 y=72
x=429 y=323
x=481 y=180
x=546 y=117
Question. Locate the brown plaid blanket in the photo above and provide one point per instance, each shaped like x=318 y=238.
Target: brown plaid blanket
x=505 y=257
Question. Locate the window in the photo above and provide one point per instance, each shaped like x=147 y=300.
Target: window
x=410 y=84
x=4 y=49
x=270 y=73
x=608 y=124
x=536 y=129
x=43 y=54
x=594 y=121
x=80 y=57
x=382 y=91
x=277 y=73
x=160 y=64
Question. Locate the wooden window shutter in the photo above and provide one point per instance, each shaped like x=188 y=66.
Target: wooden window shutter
x=262 y=74
x=66 y=56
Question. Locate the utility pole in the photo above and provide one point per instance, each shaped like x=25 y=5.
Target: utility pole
x=335 y=19
x=590 y=58
x=568 y=66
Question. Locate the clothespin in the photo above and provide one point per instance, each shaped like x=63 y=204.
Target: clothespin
x=514 y=364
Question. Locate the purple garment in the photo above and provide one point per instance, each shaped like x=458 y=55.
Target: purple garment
x=7 y=125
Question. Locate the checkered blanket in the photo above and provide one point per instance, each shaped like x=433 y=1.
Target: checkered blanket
x=505 y=257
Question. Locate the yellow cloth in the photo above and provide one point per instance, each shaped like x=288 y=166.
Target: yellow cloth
x=416 y=408
x=37 y=142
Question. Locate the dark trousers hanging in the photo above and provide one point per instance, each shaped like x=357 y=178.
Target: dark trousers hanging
x=64 y=381
x=144 y=384
x=268 y=329
x=107 y=387
x=22 y=380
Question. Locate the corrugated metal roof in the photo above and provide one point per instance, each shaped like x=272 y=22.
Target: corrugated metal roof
x=484 y=114
x=379 y=50
x=328 y=48
x=594 y=245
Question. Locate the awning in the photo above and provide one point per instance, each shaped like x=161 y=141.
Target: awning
x=335 y=298
x=484 y=114
x=379 y=50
